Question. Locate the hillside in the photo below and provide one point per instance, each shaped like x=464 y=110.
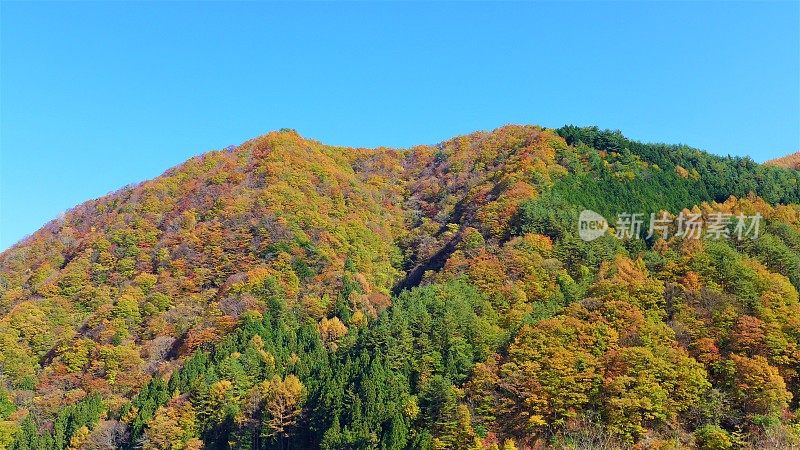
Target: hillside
x=289 y=294
x=789 y=161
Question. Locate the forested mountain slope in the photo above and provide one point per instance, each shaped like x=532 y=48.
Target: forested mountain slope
x=288 y=294
x=789 y=161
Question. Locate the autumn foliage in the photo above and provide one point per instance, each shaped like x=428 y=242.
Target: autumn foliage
x=289 y=294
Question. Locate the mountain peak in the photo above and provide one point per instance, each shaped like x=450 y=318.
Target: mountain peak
x=791 y=161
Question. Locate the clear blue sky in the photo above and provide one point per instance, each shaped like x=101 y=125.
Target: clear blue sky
x=95 y=96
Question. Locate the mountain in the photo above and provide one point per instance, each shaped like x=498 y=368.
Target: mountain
x=289 y=294
x=789 y=161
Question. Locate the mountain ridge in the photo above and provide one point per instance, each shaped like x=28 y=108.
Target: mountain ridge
x=790 y=161
x=787 y=161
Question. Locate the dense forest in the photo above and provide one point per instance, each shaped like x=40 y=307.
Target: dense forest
x=286 y=294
